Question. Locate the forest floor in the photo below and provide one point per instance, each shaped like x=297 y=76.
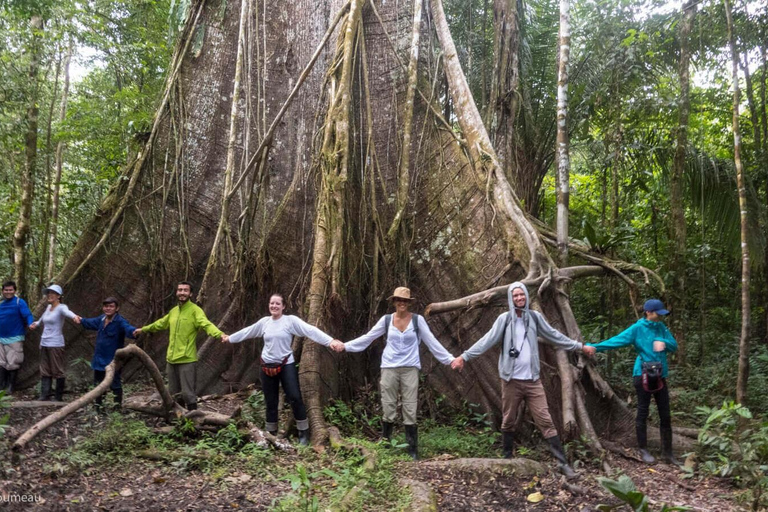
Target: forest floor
x=124 y=461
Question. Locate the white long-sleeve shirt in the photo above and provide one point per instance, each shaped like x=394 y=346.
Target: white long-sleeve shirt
x=53 y=323
x=402 y=349
x=278 y=335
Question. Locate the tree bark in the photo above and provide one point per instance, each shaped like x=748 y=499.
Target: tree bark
x=743 y=374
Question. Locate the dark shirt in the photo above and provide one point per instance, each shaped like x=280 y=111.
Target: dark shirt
x=109 y=338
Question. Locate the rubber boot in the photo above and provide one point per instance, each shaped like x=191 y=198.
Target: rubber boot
x=45 y=389
x=556 y=447
x=273 y=432
x=192 y=406
x=304 y=437
x=412 y=438
x=508 y=444
x=667 y=455
x=99 y=404
x=60 y=382
x=3 y=377
x=642 y=443
x=386 y=430
x=118 y=397
x=10 y=381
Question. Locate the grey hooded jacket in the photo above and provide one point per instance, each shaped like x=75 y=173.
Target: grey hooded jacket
x=535 y=324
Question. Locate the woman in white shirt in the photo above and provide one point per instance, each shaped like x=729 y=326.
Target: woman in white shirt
x=277 y=363
x=400 y=363
x=52 y=343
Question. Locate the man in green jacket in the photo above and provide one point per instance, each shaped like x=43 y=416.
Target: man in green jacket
x=183 y=321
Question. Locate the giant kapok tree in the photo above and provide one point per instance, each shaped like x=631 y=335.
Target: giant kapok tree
x=302 y=147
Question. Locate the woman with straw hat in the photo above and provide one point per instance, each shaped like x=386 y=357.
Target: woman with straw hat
x=400 y=363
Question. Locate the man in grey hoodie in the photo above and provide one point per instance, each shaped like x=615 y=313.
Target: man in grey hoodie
x=519 y=330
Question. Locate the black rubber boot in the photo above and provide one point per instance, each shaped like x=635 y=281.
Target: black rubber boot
x=667 y=455
x=99 y=404
x=118 y=397
x=508 y=444
x=304 y=437
x=556 y=447
x=412 y=438
x=647 y=457
x=273 y=432
x=386 y=430
x=60 y=382
x=3 y=377
x=45 y=389
x=192 y=406
x=10 y=381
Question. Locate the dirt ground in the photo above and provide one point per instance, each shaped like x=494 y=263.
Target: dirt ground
x=159 y=485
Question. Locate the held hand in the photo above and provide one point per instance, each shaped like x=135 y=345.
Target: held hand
x=77 y=319
x=458 y=363
x=225 y=338
x=588 y=351
x=136 y=333
x=337 y=346
x=33 y=326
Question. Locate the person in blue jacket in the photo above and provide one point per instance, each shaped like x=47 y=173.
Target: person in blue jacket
x=112 y=330
x=652 y=341
x=15 y=317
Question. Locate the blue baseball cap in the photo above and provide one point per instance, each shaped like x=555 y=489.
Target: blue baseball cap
x=655 y=305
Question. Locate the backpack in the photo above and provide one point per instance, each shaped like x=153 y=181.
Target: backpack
x=415 y=320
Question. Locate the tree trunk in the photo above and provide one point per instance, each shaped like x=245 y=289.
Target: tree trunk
x=56 y=185
x=563 y=157
x=301 y=221
x=30 y=163
x=677 y=206
x=743 y=375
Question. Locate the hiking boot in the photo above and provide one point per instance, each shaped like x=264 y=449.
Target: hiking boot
x=667 y=455
x=647 y=457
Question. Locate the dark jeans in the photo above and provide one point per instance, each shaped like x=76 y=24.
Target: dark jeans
x=98 y=377
x=643 y=407
x=289 y=378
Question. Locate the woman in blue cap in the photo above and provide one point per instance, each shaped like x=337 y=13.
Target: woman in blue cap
x=652 y=341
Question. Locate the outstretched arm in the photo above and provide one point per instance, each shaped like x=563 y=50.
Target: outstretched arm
x=302 y=328
x=623 y=339
x=490 y=339
x=361 y=343
x=434 y=346
x=252 y=331
x=552 y=335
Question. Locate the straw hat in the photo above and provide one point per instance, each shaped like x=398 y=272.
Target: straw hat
x=402 y=293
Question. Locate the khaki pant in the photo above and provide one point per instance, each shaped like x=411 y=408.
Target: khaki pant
x=181 y=380
x=400 y=383
x=532 y=392
x=52 y=362
x=11 y=355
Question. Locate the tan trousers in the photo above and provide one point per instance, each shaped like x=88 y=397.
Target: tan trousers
x=400 y=383
x=532 y=392
x=12 y=355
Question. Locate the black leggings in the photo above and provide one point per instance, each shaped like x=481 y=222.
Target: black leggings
x=289 y=377
x=643 y=408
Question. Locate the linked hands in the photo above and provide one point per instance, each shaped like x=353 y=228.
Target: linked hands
x=77 y=319
x=136 y=333
x=337 y=346
x=225 y=338
x=588 y=351
x=457 y=363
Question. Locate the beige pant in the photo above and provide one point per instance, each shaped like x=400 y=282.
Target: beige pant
x=11 y=355
x=400 y=383
x=532 y=392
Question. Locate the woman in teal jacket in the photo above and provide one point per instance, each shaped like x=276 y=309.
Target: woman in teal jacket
x=642 y=335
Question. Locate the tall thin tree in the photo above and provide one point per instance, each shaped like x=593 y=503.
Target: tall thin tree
x=677 y=210
x=562 y=151
x=743 y=375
